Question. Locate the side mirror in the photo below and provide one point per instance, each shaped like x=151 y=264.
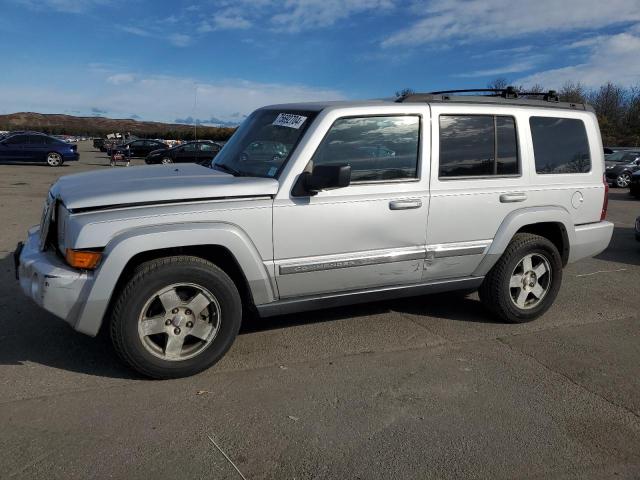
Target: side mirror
x=323 y=177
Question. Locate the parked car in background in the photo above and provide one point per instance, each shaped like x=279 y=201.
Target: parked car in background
x=620 y=166
x=138 y=148
x=37 y=147
x=265 y=150
x=98 y=143
x=634 y=184
x=191 y=152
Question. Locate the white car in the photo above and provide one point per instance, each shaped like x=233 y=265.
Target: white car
x=495 y=194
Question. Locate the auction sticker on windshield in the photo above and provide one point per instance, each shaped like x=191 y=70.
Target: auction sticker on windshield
x=289 y=120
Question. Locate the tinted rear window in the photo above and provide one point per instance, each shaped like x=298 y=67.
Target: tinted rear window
x=560 y=145
x=478 y=145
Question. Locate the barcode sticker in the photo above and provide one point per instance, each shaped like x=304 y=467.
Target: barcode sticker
x=289 y=120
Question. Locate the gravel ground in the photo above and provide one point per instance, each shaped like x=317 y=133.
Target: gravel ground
x=430 y=387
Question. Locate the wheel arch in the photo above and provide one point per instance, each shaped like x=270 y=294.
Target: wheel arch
x=225 y=245
x=552 y=222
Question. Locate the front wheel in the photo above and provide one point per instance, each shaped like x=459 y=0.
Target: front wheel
x=54 y=159
x=166 y=160
x=176 y=317
x=524 y=283
x=623 y=180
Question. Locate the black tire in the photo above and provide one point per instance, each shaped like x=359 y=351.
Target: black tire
x=496 y=293
x=148 y=279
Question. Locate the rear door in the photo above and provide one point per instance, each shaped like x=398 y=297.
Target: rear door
x=187 y=153
x=207 y=151
x=35 y=150
x=477 y=179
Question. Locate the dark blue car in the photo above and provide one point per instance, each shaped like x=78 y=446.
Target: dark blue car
x=37 y=147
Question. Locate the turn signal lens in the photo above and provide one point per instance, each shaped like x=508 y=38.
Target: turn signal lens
x=83 y=259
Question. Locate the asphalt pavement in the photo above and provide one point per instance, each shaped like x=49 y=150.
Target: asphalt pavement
x=430 y=387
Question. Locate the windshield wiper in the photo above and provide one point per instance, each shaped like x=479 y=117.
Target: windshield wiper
x=228 y=169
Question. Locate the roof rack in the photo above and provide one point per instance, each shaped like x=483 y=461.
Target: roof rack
x=508 y=95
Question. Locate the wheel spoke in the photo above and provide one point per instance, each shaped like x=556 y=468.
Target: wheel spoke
x=198 y=303
x=152 y=326
x=516 y=281
x=201 y=330
x=170 y=300
x=537 y=290
x=174 y=346
x=522 y=298
x=527 y=263
x=540 y=270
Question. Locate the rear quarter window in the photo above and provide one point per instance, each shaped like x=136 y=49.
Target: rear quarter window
x=560 y=145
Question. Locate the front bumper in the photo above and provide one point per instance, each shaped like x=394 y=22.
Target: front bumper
x=71 y=157
x=50 y=282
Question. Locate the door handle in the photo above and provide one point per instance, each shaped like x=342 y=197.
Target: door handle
x=405 y=204
x=513 y=197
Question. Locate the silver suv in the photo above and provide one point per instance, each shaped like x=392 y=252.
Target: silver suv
x=366 y=201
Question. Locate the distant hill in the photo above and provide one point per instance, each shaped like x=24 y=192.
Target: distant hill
x=56 y=124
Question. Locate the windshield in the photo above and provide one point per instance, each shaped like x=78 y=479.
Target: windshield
x=263 y=143
x=622 y=156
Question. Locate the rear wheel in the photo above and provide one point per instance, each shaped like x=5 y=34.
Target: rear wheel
x=176 y=317
x=524 y=283
x=166 y=160
x=623 y=180
x=54 y=159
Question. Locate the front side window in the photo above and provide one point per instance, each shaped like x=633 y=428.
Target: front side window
x=478 y=146
x=263 y=143
x=560 y=145
x=377 y=148
x=190 y=147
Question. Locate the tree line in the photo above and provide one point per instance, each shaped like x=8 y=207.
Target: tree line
x=617 y=107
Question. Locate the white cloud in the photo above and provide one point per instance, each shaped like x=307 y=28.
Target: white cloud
x=121 y=78
x=460 y=22
x=613 y=58
x=179 y=39
x=140 y=32
x=299 y=15
x=515 y=67
x=162 y=98
x=67 y=6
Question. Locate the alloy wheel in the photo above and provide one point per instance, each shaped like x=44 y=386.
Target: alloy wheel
x=54 y=159
x=530 y=281
x=623 y=180
x=179 y=321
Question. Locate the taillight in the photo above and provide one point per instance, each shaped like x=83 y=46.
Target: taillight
x=605 y=202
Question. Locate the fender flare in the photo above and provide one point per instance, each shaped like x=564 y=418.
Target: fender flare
x=517 y=219
x=127 y=244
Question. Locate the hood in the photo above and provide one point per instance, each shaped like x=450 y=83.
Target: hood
x=155 y=184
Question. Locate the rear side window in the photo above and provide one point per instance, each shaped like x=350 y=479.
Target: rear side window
x=377 y=148
x=478 y=145
x=560 y=145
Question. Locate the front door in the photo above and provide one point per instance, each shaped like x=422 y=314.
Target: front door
x=369 y=234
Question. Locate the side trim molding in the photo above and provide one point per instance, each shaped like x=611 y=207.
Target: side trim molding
x=319 y=302
x=346 y=262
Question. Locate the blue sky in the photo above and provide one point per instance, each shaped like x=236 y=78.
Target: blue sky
x=219 y=59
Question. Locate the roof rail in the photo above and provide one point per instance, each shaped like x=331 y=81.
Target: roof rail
x=507 y=95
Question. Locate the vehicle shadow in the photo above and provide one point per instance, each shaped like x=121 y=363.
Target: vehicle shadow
x=31 y=335
x=454 y=306
x=623 y=247
x=33 y=164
